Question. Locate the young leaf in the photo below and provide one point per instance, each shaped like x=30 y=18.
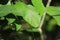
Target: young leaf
x=5 y=10
x=28 y=13
x=39 y=6
x=18 y=26
x=19 y=9
x=57 y=18
x=52 y=10
x=51 y=25
x=32 y=17
x=10 y=20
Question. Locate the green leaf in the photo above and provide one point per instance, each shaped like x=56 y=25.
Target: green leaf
x=5 y=10
x=10 y=20
x=32 y=17
x=28 y=12
x=53 y=10
x=51 y=25
x=18 y=26
x=57 y=18
x=39 y=6
x=19 y=9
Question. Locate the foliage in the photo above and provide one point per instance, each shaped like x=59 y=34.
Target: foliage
x=31 y=14
x=39 y=6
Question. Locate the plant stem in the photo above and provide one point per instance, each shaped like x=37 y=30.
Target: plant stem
x=42 y=21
